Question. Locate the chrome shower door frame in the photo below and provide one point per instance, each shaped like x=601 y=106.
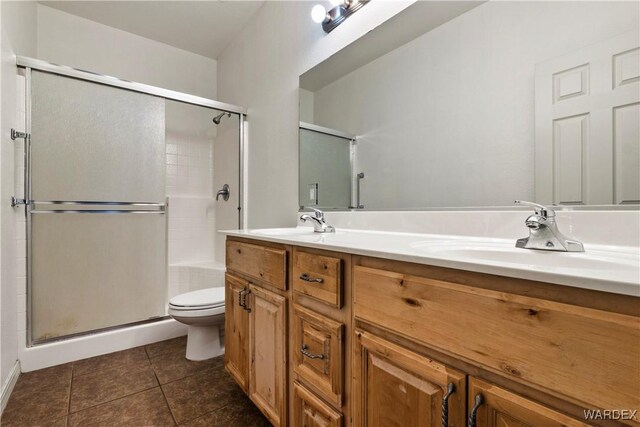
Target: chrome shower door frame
x=29 y=64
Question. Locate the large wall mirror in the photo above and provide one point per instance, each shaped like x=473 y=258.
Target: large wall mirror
x=476 y=104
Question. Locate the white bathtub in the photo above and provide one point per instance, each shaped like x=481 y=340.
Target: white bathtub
x=182 y=277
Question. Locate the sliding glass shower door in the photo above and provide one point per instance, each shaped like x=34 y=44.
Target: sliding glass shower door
x=96 y=219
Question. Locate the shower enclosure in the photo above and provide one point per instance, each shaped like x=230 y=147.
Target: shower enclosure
x=95 y=198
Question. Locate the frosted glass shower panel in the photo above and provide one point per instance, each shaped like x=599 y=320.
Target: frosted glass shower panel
x=92 y=142
x=94 y=271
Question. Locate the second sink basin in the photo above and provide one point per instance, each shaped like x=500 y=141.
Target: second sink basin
x=507 y=253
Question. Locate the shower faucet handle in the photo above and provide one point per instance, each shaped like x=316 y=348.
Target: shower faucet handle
x=224 y=192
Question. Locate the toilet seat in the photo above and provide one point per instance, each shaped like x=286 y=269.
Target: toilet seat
x=204 y=299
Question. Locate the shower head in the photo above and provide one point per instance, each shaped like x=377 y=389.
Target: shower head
x=217 y=118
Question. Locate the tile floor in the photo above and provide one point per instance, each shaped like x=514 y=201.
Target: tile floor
x=152 y=385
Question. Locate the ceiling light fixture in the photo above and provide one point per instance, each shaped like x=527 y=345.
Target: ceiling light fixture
x=342 y=10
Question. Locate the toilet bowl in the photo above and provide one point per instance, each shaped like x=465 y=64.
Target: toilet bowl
x=203 y=312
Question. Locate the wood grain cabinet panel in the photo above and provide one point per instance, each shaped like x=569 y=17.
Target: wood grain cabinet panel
x=318 y=354
x=568 y=351
x=318 y=276
x=265 y=264
x=502 y=408
x=236 y=332
x=311 y=411
x=267 y=344
x=395 y=387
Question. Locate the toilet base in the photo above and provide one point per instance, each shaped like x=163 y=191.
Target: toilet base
x=204 y=342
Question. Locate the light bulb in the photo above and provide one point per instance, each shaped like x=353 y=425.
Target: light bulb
x=318 y=13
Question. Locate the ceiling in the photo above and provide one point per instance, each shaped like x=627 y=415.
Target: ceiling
x=202 y=27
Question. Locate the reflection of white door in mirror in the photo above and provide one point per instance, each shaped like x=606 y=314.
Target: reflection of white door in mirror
x=587 y=124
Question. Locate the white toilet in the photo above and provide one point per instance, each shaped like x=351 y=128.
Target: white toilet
x=203 y=312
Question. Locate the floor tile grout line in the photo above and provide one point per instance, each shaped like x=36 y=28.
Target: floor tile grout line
x=186 y=376
x=164 y=396
x=113 y=400
x=70 y=394
x=117 y=398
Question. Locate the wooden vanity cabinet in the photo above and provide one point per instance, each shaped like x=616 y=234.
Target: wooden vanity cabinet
x=360 y=341
x=256 y=325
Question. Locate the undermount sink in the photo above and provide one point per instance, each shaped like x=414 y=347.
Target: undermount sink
x=505 y=253
x=297 y=231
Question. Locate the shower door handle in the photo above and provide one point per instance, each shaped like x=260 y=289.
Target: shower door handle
x=224 y=192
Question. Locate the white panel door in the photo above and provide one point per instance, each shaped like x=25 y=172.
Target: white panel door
x=587 y=125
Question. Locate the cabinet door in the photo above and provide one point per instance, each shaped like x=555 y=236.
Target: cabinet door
x=311 y=411
x=267 y=326
x=236 y=331
x=497 y=407
x=395 y=387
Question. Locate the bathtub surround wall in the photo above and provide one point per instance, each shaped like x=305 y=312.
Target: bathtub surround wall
x=18 y=36
x=260 y=71
x=190 y=137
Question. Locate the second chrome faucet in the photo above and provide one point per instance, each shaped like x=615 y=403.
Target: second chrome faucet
x=317 y=219
x=543 y=231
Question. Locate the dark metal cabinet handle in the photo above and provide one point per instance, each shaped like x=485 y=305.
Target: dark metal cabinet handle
x=306 y=278
x=474 y=411
x=304 y=351
x=246 y=292
x=241 y=297
x=451 y=388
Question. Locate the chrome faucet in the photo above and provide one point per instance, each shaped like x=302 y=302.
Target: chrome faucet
x=544 y=233
x=317 y=219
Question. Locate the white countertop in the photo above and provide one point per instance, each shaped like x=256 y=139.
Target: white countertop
x=614 y=269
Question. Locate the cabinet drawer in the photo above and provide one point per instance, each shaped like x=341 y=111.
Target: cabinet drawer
x=318 y=353
x=562 y=349
x=318 y=276
x=310 y=411
x=262 y=263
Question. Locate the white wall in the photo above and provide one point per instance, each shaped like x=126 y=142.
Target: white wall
x=455 y=107
x=18 y=36
x=260 y=71
x=77 y=42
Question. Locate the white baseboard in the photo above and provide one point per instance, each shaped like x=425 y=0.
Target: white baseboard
x=8 y=386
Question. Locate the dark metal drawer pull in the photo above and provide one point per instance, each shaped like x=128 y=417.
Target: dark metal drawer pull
x=474 y=411
x=451 y=388
x=306 y=278
x=304 y=351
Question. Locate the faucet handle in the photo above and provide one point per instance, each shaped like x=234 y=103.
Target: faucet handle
x=542 y=210
x=317 y=212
